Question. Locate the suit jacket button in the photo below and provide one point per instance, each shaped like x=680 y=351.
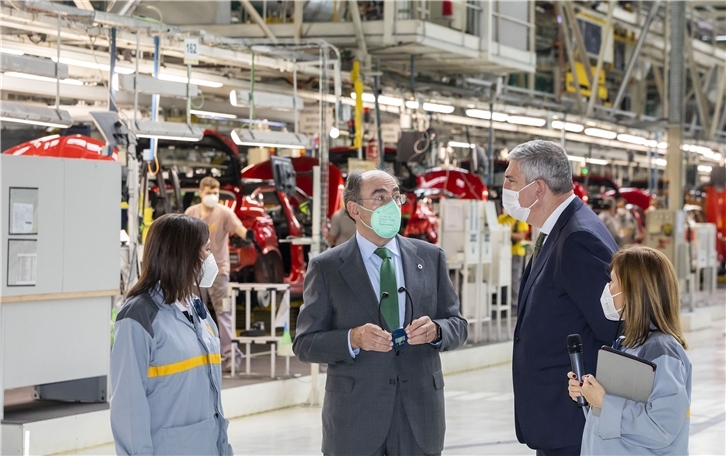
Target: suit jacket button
x=398 y=353
x=516 y=339
x=392 y=381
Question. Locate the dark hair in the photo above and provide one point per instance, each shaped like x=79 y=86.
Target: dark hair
x=172 y=257
x=208 y=182
x=353 y=184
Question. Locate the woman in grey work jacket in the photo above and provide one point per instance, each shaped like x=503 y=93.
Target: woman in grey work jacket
x=644 y=289
x=165 y=363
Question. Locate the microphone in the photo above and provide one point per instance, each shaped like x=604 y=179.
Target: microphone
x=574 y=349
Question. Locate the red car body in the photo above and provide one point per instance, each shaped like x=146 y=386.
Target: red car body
x=73 y=146
x=715 y=208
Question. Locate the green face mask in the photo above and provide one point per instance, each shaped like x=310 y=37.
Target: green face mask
x=386 y=220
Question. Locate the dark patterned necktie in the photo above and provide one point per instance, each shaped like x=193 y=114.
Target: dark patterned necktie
x=538 y=246
x=389 y=305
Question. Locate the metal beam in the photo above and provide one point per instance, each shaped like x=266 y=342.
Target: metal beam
x=389 y=22
x=128 y=7
x=359 y=35
x=570 y=55
x=581 y=49
x=701 y=100
x=719 y=101
x=636 y=52
x=608 y=26
x=298 y=20
x=84 y=5
x=258 y=19
x=659 y=84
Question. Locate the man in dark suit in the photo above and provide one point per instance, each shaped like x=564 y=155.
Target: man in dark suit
x=559 y=295
x=380 y=399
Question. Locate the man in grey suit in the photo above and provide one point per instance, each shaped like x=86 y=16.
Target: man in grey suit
x=381 y=398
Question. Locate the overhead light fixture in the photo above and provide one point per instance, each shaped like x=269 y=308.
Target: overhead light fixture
x=718 y=157
x=431 y=107
x=598 y=161
x=661 y=162
x=35 y=66
x=704 y=168
x=461 y=144
x=172 y=131
x=334 y=132
x=184 y=80
x=211 y=115
x=631 y=139
x=486 y=115
x=528 y=121
x=382 y=99
x=153 y=86
x=662 y=145
x=600 y=133
x=265 y=100
x=34 y=77
x=11 y=51
x=11 y=111
x=575 y=158
x=93 y=65
x=268 y=138
x=721 y=38
x=569 y=126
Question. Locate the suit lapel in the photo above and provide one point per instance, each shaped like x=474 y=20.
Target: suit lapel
x=536 y=268
x=355 y=275
x=412 y=274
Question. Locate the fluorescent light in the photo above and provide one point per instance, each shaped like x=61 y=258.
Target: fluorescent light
x=431 y=107
x=661 y=162
x=598 y=161
x=14 y=74
x=184 y=80
x=717 y=157
x=93 y=65
x=382 y=99
x=172 y=131
x=265 y=100
x=662 y=145
x=652 y=143
x=153 y=86
x=632 y=139
x=11 y=51
x=569 y=126
x=269 y=138
x=486 y=115
x=600 y=133
x=11 y=111
x=704 y=168
x=334 y=132
x=210 y=114
x=461 y=144
x=524 y=120
x=575 y=158
x=721 y=38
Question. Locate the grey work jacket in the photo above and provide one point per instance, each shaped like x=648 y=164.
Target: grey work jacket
x=166 y=381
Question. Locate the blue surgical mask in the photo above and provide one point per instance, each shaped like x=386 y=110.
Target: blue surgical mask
x=386 y=220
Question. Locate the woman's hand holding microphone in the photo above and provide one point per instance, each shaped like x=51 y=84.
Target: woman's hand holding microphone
x=589 y=387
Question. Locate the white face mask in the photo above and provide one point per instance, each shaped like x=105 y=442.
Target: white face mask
x=510 y=202
x=608 y=304
x=210 y=200
x=209 y=272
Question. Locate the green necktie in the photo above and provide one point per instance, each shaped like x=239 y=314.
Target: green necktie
x=389 y=305
x=538 y=246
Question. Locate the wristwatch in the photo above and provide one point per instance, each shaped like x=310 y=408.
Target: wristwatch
x=438 y=334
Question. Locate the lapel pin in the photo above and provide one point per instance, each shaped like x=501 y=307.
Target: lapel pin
x=420 y=267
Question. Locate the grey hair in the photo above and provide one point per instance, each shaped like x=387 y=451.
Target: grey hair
x=353 y=184
x=544 y=160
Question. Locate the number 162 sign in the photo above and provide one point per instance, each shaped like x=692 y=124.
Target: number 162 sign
x=191 y=51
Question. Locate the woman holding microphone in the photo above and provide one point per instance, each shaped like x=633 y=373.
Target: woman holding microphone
x=644 y=294
x=165 y=364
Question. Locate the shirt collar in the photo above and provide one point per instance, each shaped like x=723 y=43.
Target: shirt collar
x=367 y=248
x=549 y=224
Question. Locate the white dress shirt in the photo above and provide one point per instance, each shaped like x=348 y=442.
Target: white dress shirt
x=549 y=224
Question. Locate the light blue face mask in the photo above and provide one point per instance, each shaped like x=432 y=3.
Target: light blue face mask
x=385 y=220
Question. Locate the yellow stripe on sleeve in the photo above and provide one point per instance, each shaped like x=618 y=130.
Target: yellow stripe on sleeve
x=187 y=364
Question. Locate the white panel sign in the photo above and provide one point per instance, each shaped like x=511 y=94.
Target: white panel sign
x=191 y=51
x=310 y=120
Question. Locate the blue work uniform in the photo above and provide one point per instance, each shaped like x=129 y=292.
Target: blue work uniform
x=658 y=427
x=166 y=380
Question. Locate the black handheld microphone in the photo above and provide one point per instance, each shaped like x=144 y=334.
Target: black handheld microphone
x=574 y=349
